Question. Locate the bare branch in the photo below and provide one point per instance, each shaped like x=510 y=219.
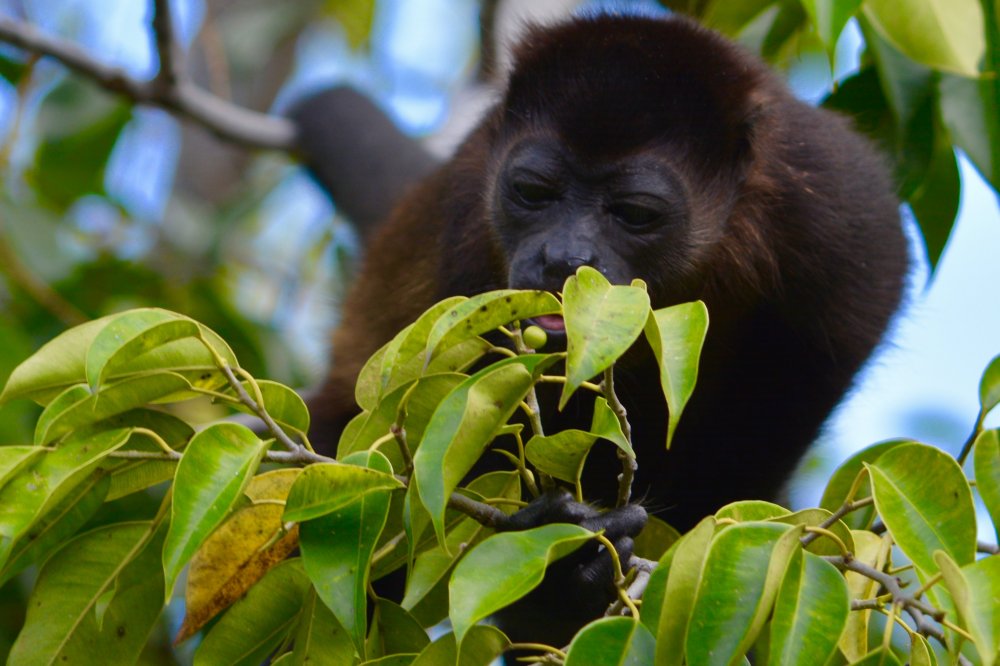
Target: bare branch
x=917 y=609
x=484 y=514
x=166 y=46
x=226 y=120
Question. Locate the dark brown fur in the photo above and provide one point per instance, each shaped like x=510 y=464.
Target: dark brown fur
x=794 y=244
x=789 y=231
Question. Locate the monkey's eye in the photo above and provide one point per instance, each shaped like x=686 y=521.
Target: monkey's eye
x=534 y=194
x=635 y=215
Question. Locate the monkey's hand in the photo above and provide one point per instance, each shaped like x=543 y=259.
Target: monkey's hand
x=579 y=587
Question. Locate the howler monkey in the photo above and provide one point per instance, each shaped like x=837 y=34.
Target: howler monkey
x=656 y=149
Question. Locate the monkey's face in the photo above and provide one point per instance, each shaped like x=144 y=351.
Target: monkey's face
x=555 y=210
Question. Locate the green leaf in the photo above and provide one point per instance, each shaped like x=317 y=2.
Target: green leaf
x=606 y=425
x=686 y=568
x=13 y=459
x=485 y=312
x=655 y=539
x=320 y=640
x=57 y=365
x=55 y=410
x=129 y=476
x=12 y=69
x=602 y=322
x=925 y=502
x=561 y=455
x=61 y=363
x=62 y=625
x=57 y=525
x=909 y=90
x=730 y=18
x=370 y=426
x=355 y=17
x=745 y=567
x=975 y=589
x=58 y=418
x=970 y=109
x=839 y=485
x=879 y=657
x=284 y=405
x=824 y=545
x=942 y=34
x=256 y=624
x=482 y=645
x=401 y=360
x=216 y=467
x=462 y=427
x=989 y=387
x=41 y=487
x=75 y=147
x=745 y=511
x=432 y=565
x=921 y=653
x=809 y=614
x=677 y=335
x=986 y=462
x=830 y=17
x=326 y=487
x=614 y=641
x=935 y=200
x=132 y=334
x=337 y=549
x=516 y=563
x=395 y=631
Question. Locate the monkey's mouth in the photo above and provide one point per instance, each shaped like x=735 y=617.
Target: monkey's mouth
x=551 y=323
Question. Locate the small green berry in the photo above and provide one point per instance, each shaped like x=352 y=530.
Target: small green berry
x=535 y=337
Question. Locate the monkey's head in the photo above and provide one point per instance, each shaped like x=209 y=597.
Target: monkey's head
x=626 y=152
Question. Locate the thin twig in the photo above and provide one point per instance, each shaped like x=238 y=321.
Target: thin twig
x=644 y=569
x=484 y=514
x=257 y=408
x=629 y=464
x=619 y=581
x=169 y=72
x=917 y=609
x=146 y=455
x=845 y=508
x=226 y=120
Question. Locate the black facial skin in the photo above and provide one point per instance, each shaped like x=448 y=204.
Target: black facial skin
x=658 y=150
x=555 y=212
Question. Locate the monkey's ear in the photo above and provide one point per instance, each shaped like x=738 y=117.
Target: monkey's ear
x=749 y=122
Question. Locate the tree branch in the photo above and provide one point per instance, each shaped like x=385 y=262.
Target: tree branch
x=918 y=610
x=166 y=46
x=226 y=120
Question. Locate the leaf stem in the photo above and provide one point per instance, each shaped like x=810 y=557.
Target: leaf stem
x=619 y=575
x=629 y=464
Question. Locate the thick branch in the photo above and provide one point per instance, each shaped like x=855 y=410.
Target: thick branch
x=223 y=118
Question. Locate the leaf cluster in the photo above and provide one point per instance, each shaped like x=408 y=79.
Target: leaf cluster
x=894 y=538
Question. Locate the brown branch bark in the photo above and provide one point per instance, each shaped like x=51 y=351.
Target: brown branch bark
x=168 y=91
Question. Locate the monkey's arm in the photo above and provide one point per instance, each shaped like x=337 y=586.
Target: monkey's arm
x=357 y=154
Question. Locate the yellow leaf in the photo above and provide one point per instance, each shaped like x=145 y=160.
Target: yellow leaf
x=234 y=557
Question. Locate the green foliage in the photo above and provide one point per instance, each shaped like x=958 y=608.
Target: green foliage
x=112 y=493
x=793 y=588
